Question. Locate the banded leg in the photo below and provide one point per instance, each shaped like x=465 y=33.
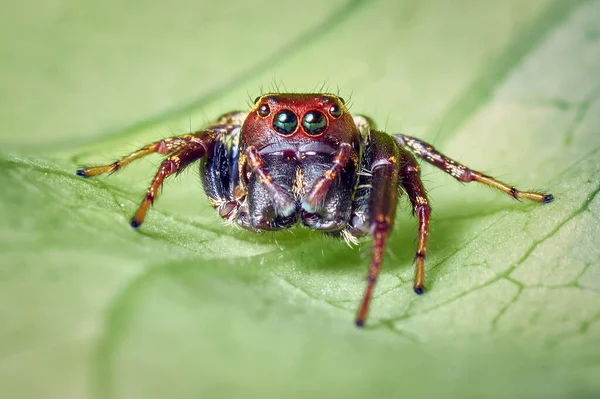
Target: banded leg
x=282 y=201
x=165 y=146
x=410 y=176
x=175 y=163
x=462 y=173
x=382 y=208
x=323 y=184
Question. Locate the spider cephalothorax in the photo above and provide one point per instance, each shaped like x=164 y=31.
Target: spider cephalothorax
x=303 y=159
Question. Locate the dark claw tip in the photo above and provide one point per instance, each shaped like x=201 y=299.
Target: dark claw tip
x=135 y=224
x=418 y=290
x=81 y=173
x=359 y=323
x=548 y=198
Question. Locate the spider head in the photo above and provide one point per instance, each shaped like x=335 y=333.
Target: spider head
x=298 y=118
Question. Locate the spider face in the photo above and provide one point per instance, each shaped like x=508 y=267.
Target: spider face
x=302 y=159
x=296 y=139
x=296 y=119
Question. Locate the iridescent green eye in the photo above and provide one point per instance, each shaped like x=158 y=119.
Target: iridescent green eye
x=285 y=122
x=314 y=123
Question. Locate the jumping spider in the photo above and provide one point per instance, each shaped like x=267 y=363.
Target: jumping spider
x=302 y=158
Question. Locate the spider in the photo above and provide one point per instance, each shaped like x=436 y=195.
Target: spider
x=304 y=159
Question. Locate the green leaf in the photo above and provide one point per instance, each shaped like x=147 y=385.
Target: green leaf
x=187 y=307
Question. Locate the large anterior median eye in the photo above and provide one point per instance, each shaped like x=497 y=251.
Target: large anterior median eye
x=285 y=122
x=314 y=123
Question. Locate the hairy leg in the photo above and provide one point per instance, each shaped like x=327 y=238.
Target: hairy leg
x=410 y=179
x=175 y=163
x=183 y=150
x=382 y=208
x=460 y=172
x=165 y=146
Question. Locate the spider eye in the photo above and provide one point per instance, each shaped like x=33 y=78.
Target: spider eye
x=285 y=122
x=335 y=111
x=264 y=110
x=314 y=123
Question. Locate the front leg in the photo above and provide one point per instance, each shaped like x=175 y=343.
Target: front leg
x=410 y=180
x=165 y=146
x=382 y=203
x=172 y=165
x=182 y=150
x=461 y=173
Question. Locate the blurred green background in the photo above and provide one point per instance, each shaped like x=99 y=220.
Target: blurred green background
x=188 y=308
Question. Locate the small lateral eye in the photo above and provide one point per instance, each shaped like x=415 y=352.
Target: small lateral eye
x=264 y=110
x=335 y=110
x=314 y=123
x=285 y=122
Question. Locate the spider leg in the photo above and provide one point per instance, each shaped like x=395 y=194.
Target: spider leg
x=410 y=179
x=382 y=208
x=323 y=184
x=282 y=201
x=461 y=173
x=165 y=146
x=183 y=150
x=175 y=163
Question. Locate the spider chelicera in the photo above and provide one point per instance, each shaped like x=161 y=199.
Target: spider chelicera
x=303 y=159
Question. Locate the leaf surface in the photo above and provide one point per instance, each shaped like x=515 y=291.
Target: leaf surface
x=187 y=307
